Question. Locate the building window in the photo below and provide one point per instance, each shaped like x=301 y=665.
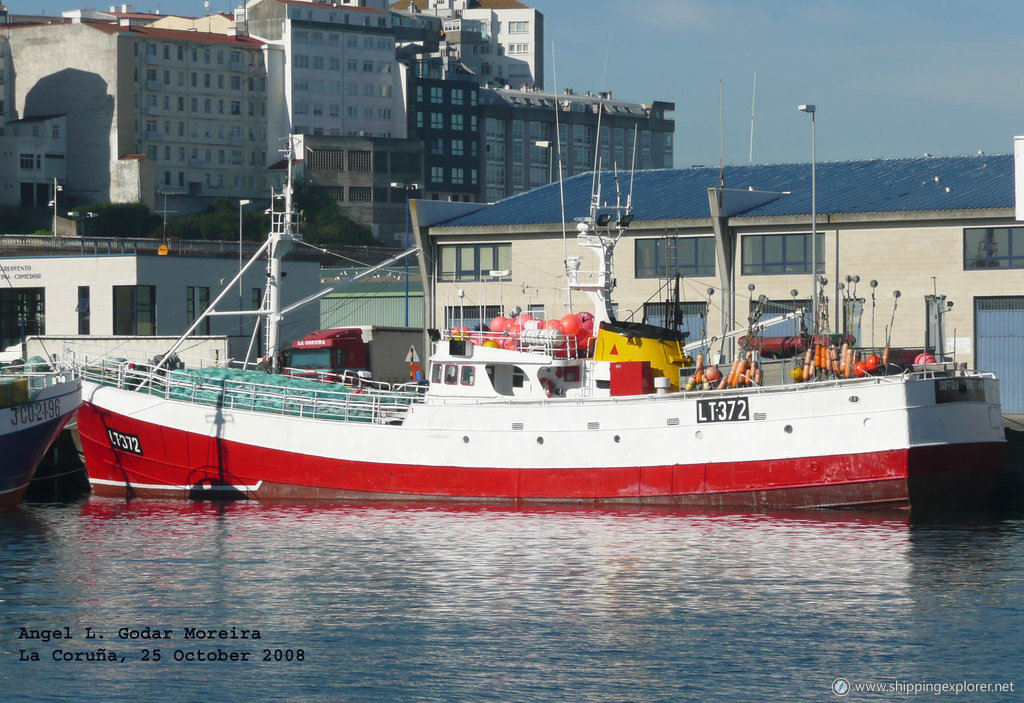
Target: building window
x=994 y=247
x=22 y=314
x=780 y=254
x=360 y=161
x=197 y=299
x=518 y=27
x=688 y=316
x=474 y=262
x=27 y=162
x=437 y=95
x=437 y=120
x=457 y=122
x=437 y=174
x=664 y=257
x=135 y=310
x=83 y=309
x=360 y=194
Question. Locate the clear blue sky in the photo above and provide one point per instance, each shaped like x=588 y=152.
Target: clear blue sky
x=890 y=78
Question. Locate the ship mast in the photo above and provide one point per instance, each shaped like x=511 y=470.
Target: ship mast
x=283 y=235
x=600 y=231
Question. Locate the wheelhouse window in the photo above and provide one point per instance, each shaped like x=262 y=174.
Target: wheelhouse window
x=468 y=376
x=780 y=254
x=451 y=374
x=135 y=310
x=994 y=247
x=666 y=256
x=474 y=262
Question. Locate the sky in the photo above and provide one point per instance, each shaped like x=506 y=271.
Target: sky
x=889 y=78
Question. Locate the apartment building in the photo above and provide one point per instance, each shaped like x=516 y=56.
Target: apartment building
x=193 y=103
x=332 y=67
x=521 y=149
x=33 y=160
x=502 y=41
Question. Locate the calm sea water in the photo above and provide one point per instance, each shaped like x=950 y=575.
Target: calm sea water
x=400 y=603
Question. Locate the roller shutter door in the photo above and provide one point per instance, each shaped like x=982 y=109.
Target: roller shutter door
x=999 y=333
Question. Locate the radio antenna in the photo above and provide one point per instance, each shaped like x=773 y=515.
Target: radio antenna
x=753 y=99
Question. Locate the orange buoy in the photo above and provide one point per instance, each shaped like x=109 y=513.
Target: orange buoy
x=885 y=355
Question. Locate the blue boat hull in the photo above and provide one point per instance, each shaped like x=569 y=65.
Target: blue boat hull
x=27 y=430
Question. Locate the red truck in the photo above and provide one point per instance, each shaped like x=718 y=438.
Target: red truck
x=380 y=353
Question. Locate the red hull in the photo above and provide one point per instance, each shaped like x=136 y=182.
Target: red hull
x=196 y=466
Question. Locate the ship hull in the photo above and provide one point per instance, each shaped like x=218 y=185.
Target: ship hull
x=879 y=444
x=26 y=432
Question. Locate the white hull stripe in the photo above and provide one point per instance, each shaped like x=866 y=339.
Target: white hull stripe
x=171 y=487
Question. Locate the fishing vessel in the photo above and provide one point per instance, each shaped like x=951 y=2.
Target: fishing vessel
x=585 y=409
x=36 y=406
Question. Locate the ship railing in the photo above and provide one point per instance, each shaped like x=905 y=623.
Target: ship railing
x=276 y=395
x=777 y=377
x=37 y=375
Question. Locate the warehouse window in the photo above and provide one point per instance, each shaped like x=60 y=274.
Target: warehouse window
x=664 y=257
x=780 y=253
x=994 y=247
x=474 y=262
x=135 y=310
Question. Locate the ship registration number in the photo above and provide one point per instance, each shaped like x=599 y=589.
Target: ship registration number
x=723 y=410
x=31 y=413
x=124 y=442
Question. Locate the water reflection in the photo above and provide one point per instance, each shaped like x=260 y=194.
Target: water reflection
x=434 y=602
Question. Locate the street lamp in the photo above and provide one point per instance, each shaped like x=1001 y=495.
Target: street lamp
x=545 y=144
x=241 y=203
x=814 y=222
x=53 y=203
x=409 y=188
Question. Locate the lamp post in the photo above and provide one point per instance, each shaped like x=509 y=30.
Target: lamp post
x=545 y=144
x=814 y=222
x=408 y=188
x=53 y=203
x=241 y=203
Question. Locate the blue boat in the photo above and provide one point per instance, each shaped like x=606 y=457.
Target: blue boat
x=34 y=408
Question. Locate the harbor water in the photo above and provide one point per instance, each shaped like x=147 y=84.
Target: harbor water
x=113 y=600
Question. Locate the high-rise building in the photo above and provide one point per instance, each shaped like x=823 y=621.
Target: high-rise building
x=501 y=41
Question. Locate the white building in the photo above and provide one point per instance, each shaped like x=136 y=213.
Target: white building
x=332 y=67
x=123 y=292
x=510 y=35
x=33 y=159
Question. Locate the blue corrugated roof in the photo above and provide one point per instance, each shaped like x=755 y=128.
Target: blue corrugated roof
x=878 y=185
